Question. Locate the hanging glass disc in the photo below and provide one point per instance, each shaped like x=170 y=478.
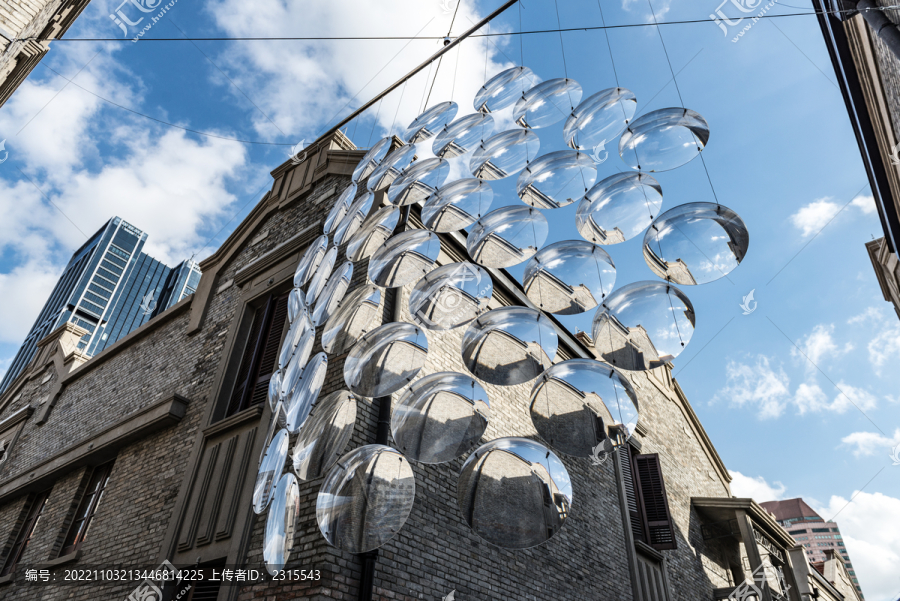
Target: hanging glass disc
x=385 y=359
x=503 y=89
x=600 y=119
x=354 y=218
x=321 y=276
x=340 y=209
x=504 y=154
x=575 y=403
x=507 y=236
x=430 y=122
x=514 y=493
x=510 y=345
x=664 y=139
x=696 y=243
x=457 y=205
x=404 y=258
x=373 y=233
x=557 y=179
x=334 y=291
x=366 y=498
x=294 y=370
x=547 y=103
x=391 y=168
x=306 y=392
x=451 y=296
x=281 y=524
x=296 y=340
x=355 y=316
x=296 y=304
x=461 y=136
x=325 y=435
x=270 y=471
x=618 y=208
x=310 y=261
x=569 y=277
x=274 y=394
x=418 y=182
x=371 y=159
x=440 y=417
x=643 y=325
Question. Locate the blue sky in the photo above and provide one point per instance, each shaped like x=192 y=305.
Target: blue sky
x=800 y=397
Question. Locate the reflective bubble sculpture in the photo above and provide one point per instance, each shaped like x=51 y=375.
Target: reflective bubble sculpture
x=366 y=498
x=461 y=136
x=310 y=261
x=547 y=103
x=269 y=471
x=451 y=296
x=294 y=370
x=457 y=205
x=510 y=345
x=371 y=159
x=296 y=304
x=325 y=434
x=504 y=154
x=514 y=493
x=419 y=181
x=440 y=417
x=340 y=209
x=643 y=325
x=373 y=233
x=281 y=524
x=296 y=341
x=557 y=179
x=569 y=277
x=385 y=359
x=354 y=317
x=664 y=139
x=430 y=122
x=504 y=89
x=507 y=236
x=404 y=258
x=599 y=119
x=574 y=405
x=355 y=217
x=696 y=243
x=334 y=291
x=618 y=208
x=321 y=276
x=391 y=168
x=306 y=392
x=273 y=396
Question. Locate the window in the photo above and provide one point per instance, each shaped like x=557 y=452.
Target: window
x=651 y=521
x=87 y=509
x=797 y=532
x=835 y=530
x=24 y=536
x=821 y=530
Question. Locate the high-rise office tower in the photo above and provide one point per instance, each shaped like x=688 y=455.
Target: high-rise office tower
x=110 y=287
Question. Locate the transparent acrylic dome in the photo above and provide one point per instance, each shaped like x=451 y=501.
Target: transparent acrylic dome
x=404 y=258
x=296 y=340
x=371 y=159
x=273 y=396
x=325 y=435
x=306 y=392
x=366 y=498
x=514 y=493
x=599 y=119
x=340 y=208
x=391 y=168
x=696 y=243
x=618 y=208
x=296 y=304
x=664 y=139
x=504 y=154
x=507 y=236
x=356 y=314
x=373 y=233
x=419 y=181
x=451 y=296
x=310 y=261
x=334 y=291
x=281 y=522
x=569 y=277
x=441 y=417
x=510 y=345
x=463 y=135
x=547 y=103
x=457 y=205
x=321 y=276
x=351 y=222
x=556 y=179
x=643 y=325
x=296 y=364
x=269 y=472
x=431 y=122
x=504 y=89
x=385 y=359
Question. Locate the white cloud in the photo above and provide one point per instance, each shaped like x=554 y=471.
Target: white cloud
x=866 y=204
x=757 y=488
x=884 y=348
x=760 y=384
x=871 y=443
x=871 y=314
x=819 y=345
x=814 y=216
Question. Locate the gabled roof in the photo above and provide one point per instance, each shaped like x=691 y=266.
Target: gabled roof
x=790 y=509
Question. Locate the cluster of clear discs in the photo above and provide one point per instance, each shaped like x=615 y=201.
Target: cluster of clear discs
x=512 y=492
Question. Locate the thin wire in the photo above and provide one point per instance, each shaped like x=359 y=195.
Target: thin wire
x=266 y=185
x=522 y=38
x=671 y=70
x=608 y=45
x=561 y=45
x=433 y=81
x=397 y=112
x=425 y=89
x=375 y=123
x=36 y=187
x=455 y=69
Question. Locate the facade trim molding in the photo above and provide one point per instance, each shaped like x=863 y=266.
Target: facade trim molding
x=275 y=256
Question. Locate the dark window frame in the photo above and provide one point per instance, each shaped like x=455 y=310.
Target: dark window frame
x=26 y=532
x=648 y=503
x=87 y=509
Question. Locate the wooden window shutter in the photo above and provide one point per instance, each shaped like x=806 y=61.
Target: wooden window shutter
x=654 y=504
x=638 y=531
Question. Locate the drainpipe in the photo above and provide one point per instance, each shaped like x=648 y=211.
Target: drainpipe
x=883 y=27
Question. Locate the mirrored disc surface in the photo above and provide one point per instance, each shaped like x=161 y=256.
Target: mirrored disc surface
x=296 y=340
x=354 y=218
x=457 y=205
x=366 y=498
x=296 y=304
x=618 y=208
x=643 y=325
x=696 y=243
x=569 y=277
x=450 y=296
x=321 y=276
x=340 y=208
x=419 y=181
x=557 y=179
x=281 y=524
x=404 y=258
x=547 y=103
x=270 y=471
x=371 y=159
x=295 y=366
x=430 y=122
x=510 y=345
x=461 y=136
x=355 y=316
x=664 y=139
x=373 y=233
x=574 y=404
x=310 y=261
x=324 y=435
x=440 y=417
x=334 y=291
x=507 y=236
x=504 y=89
x=391 y=167
x=274 y=394
x=504 y=154
x=514 y=493
x=599 y=119
x=385 y=359
x=306 y=392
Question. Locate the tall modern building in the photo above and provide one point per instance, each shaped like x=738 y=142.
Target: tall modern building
x=109 y=288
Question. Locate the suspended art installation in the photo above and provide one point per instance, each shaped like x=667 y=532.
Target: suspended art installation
x=569 y=277
x=504 y=89
x=664 y=139
x=324 y=436
x=504 y=154
x=457 y=205
x=429 y=123
x=340 y=209
x=281 y=523
x=385 y=359
x=371 y=160
x=557 y=179
x=618 y=208
x=391 y=168
x=270 y=471
x=322 y=274
x=373 y=233
x=461 y=136
x=547 y=103
x=310 y=261
x=332 y=294
x=599 y=119
x=507 y=236
x=354 y=317
x=419 y=181
x=451 y=296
